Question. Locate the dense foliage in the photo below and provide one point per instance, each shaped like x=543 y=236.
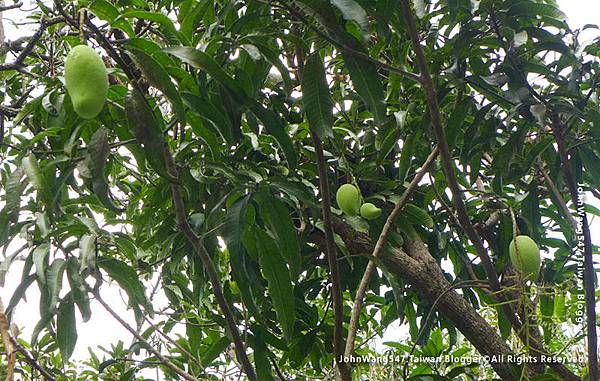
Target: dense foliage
x=200 y=180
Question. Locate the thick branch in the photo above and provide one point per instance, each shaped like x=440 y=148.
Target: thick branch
x=12 y=6
x=446 y=159
x=418 y=268
x=387 y=228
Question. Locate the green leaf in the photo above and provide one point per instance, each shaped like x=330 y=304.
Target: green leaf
x=66 y=328
x=503 y=324
x=354 y=12
x=128 y=280
x=214 y=114
x=280 y=221
x=37 y=179
x=159 y=18
x=367 y=84
x=158 y=77
x=278 y=278
x=98 y=151
x=78 y=289
x=590 y=161
x=28 y=109
x=87 y=252
x=534 y=10
x=146 y=130
x=106 y=11
x=559 y=307
x=214 y=350
x=275 y=127
x=40 y=260
x=261 y=356
x=14 y=189
x=54 y=278
x=416 y=215
x=316 y=97
x=200 y=60
x=233 y=232
x=272 y=55
x=19 y=293
x=408 y=151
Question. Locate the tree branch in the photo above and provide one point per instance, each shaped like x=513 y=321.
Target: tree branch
x=417 y=267
x=163 y=360
x=343 y=370
x=446 y=159
x=208 y=264
x=387 y=228
x=353 y=52
x=561 y=201
x=11 y=346
x=336 y=291
x=12 y=6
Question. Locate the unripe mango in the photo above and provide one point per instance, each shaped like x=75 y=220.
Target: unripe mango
x=86 y=80
x=348 y=199
x=525 y=256
x=369 y=211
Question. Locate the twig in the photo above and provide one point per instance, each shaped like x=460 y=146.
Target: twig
x=348 y=49
x=18 y=62
x=8 y=347
x=12 y=6
x=169 y=339
x=12 y=346
x=561 y=201
x=163 y=360
x=387 y=228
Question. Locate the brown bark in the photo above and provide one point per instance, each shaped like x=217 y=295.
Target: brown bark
x=416 y=266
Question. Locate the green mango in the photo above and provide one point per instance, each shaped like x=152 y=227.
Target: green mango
x=86 y=80
x=348 y=199
x=525 y=256
x=370 y=211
